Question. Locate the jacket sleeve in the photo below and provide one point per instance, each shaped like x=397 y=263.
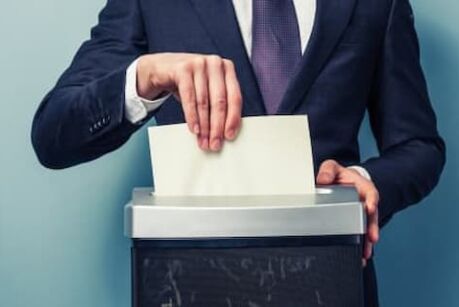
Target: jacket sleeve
x=83 y=118
x=412 y=154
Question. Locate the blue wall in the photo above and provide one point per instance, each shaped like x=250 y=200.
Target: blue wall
x=61 y=240
x=418 y=258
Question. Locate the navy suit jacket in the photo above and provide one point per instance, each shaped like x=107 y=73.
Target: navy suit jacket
x=362 y=56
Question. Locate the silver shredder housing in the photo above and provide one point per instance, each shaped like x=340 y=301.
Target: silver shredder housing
x=298 y=250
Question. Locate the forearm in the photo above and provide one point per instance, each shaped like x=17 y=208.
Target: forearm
x=406 y=173
x=75 y=124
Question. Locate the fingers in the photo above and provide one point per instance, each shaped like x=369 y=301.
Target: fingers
x=218 y=101
x=210 y=94
x=331 y=172
x=328 y=172
x=370 y=196
x=202 y=101
x=234 y=100
x=373 y=224
x=372 y=236
x=225 y=101
x=367 y=250
x=187 y=95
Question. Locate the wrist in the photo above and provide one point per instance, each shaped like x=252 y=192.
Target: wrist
x=361 y=171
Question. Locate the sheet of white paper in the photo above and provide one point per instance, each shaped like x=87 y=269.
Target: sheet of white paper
x=271 y=156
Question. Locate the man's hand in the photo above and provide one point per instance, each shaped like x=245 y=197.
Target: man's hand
x=207 y=87
x=331 y=172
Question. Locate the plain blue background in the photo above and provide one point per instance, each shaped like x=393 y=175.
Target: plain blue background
x=61 y=237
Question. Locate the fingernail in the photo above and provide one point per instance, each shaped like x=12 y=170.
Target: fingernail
x=216 y=144
x=205 y=143
x=200 y=142
x=230 y=134
x=196 y=129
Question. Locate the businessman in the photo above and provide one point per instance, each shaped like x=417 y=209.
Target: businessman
x=208 y=63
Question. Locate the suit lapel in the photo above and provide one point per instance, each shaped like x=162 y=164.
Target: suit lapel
x=219 y=19
x=332 y=18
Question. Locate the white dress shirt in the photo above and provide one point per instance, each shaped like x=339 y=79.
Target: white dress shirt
x=137 y=108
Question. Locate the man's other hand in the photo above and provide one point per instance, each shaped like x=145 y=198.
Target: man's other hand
x=206 y=86
x=331 y=172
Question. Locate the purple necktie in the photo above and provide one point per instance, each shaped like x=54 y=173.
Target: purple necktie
x=276 y=48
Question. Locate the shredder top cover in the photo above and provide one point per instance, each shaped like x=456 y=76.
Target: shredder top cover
x=331 y=211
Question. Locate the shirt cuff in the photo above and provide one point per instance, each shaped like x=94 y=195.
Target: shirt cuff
x=363 y=172
x=137 y=108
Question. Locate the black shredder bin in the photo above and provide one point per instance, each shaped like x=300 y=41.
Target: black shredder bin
x=254 y=251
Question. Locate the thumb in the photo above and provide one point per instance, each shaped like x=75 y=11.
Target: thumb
x=328 y=172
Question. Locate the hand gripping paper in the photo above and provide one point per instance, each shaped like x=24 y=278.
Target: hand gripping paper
x=271 y=156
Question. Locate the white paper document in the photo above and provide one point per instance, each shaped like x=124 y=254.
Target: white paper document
x=271 y=156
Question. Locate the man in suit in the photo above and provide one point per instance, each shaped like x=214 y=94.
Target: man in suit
x=208 y=63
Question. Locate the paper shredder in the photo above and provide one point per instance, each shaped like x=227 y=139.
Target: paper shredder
x=273 y=251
